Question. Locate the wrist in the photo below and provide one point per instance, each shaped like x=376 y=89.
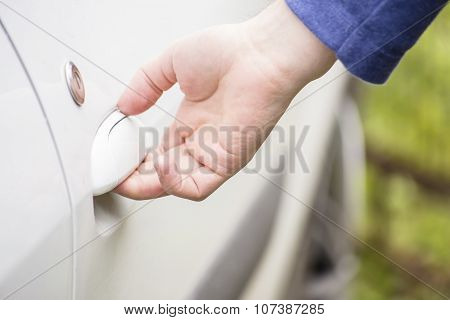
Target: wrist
x=294 y=50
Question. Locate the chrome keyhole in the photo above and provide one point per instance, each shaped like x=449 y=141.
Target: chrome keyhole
x=75 y=83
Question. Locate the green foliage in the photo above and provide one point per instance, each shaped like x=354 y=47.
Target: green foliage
x=411 y=227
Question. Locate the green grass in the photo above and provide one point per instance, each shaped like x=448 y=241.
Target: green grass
x=412 y=228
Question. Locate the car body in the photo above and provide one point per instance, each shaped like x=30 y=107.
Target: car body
x=261 y=235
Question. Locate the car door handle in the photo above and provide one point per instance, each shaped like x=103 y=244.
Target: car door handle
x=116 y=151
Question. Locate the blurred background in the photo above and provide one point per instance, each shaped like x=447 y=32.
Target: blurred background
x=407 y=214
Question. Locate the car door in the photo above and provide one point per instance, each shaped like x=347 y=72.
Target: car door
x=36 y=235
x=169 y=247
x=163 y=249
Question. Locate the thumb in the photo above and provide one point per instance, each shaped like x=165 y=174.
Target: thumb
x=148 y=84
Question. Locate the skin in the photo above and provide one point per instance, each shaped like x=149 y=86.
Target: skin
x=241 y=76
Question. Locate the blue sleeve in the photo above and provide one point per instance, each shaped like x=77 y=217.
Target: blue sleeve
x=368 y=36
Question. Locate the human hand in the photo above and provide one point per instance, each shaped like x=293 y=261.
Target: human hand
x=237 y=80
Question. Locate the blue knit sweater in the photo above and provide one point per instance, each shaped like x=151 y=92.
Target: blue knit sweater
x=368 y=36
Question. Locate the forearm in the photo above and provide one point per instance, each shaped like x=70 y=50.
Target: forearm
x=283 y=39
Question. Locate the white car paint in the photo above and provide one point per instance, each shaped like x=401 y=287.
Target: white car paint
x=35 y=216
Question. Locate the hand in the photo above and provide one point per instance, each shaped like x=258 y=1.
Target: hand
x=237 y=80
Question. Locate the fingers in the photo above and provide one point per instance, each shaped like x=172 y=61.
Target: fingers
x=142 y=184
x=183 y=176
x=148 y=84
x=193 y=169
x=204 y=146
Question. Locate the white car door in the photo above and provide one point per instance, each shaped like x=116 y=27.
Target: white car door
x=35 y=215
x=165 y=248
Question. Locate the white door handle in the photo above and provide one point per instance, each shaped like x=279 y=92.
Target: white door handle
x=116 y=152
